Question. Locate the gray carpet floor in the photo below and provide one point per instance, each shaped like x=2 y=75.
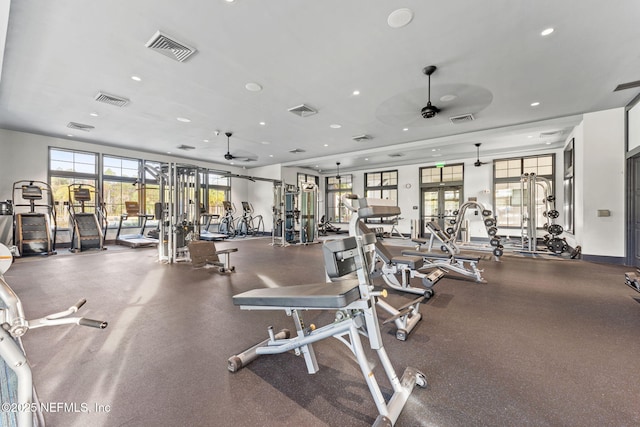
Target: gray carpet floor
x=546 y=342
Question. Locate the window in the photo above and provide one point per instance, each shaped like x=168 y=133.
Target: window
x=507 y=188
x=335 y=189
x=217 y=189
x=381 y=185
x=434 y=175
x=68 y=167
x=121 y=183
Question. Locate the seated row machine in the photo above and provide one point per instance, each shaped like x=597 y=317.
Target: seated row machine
x=354 y=303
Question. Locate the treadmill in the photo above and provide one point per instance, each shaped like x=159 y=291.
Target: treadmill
x=136 y=239
x=207 y=235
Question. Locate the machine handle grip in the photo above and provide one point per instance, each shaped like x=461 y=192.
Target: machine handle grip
x=80 y=304
x=100 y=324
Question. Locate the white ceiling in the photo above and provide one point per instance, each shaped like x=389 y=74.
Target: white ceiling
x=489 y=54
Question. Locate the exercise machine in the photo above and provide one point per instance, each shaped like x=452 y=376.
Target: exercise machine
x=532 y=188
x=34 y=231
x=325 y=227
x=228 y=222
x=389 y=267
x=249 y=225
x=18 y=390
x=207 y=221
x=137 y=239
x=204 y=253
x=87 y=217
x=308 y=213
x=450 y=239
x=354 y=304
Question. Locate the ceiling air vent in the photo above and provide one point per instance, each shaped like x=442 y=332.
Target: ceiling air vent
x=302 y=110
x=80 y=126
x=186 y=147
x=362 y=137
x=629 y=85
x=396 y=155
x=463 y=118
x=297 y=150
x=168 y=46
x=550 y=133
x=118 y=101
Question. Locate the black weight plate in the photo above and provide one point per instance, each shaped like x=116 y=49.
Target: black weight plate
x=489 y=222
x=555 y=229
x=495 y=242
x=553 y=214
x=486 y=212
x=492 y=231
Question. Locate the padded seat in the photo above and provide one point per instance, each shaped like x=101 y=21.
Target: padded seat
x=333 y=295
x=414 y=262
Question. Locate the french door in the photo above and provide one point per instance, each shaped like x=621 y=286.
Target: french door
x=438 y=204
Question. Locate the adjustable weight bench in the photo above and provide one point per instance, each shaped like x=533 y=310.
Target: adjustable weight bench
x=354 y=303
x=448 y=262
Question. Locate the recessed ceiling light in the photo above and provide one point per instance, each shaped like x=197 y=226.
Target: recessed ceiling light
x=434 y=149
x=447 y=98
x=136 y=78
x=94 y=114
x=183 y=119
x=529 y=136
x=356 y=92
x=366 y=159
x=265 y=143
x=400 y=17
x=232 y=163
x=205 y=140
x=548 y=143
x=253 y=87
x=262 y=123
x=535 y=104
x=316 y=166
x=335 y=126
x=69 y=135
x=326 y=145
x=405 y=129
x=168 y=152
x=270 y=155
x=229 y=1
x=547 y=31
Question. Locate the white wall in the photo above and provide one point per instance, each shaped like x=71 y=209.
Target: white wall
x=600 y=163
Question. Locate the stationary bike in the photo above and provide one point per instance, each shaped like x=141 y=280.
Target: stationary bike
x=21 y=406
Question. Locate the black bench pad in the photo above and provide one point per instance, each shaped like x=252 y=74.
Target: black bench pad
x=318 y=295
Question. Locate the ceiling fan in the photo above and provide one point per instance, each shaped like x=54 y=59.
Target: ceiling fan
x=229 y=156
x=430 y=111
x=478 y=163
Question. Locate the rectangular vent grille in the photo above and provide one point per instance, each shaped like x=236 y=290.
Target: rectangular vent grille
x=80 y=126
x=168 y=46
x=302 y=110
x=363 y=137
x=550 y=133
x=186 y=147
x=297 y=150
x=118 y=101
x=628 y=85
x=463 y=118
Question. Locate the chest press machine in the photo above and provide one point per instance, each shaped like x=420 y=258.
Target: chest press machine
x=354 y=303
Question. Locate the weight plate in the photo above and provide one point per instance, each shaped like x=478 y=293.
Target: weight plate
x=551 y=198
x=498 y=252
x=492 y=231
x=553 y=214
x=557 y=245
x=443 y=248
x=486 y=212
x=452 y=221
x=450 y=230
x=495 y=241
x=455 y=213
x=555 y=229
x=489 y=222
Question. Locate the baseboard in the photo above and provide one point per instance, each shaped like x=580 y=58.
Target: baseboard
x=604 y=259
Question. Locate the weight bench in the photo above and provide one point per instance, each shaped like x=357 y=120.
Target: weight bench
x=354 y=303
x=454 y=263
x=204 y=252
